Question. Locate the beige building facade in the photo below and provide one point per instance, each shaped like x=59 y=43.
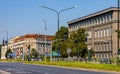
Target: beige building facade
x=101 y=28
x=19 y=44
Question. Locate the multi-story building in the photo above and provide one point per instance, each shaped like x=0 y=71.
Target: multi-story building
x=19 y=44
x=101 y=28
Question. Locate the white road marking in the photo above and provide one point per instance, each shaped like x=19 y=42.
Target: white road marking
x=18 y=71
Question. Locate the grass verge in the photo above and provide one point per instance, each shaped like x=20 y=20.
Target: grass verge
x=85 y=65
x=106 y=67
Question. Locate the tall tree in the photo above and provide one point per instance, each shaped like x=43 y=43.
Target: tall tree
x=77 y=43
x=34 y=53
x=62 y=32
x=7 y=53
x=90 y=54
x=71 y=44
x=62 y=36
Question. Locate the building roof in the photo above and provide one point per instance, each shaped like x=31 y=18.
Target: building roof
x=35 y=36
x=93 y=14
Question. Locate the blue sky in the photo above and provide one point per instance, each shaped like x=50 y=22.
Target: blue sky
x=20 y=17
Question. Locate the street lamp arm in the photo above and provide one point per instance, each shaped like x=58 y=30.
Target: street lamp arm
x=49 y=8
x=67 y=9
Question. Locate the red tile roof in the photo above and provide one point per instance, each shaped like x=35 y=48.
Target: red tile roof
x=35 y=36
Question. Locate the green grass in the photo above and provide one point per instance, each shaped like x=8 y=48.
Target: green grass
x=86 y=65
x=107 y=67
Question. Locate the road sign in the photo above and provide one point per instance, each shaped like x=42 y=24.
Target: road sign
x=54 y=53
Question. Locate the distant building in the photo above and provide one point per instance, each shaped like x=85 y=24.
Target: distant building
x=101 y=28
x=19 y=44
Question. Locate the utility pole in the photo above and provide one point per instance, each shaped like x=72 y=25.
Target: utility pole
x=118 y=35
x=28 y=52
x=7 y=38
x=45 y=38
x=6 y=43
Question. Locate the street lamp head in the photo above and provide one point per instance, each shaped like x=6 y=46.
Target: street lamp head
x=75 y=6
x=40 y=5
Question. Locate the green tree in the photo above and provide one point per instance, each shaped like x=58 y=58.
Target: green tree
x=62 y=36
x=8 y=52
x=90 y=54
x=63 y=49
x=34 y=53
x=71 y=44
x=77 y=43
x=62 y=32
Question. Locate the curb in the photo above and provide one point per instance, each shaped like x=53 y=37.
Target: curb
x=4 y=72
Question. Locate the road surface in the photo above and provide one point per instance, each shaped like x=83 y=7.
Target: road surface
x=20 y=68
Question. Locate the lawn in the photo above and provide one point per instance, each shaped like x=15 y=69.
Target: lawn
x=107 y=67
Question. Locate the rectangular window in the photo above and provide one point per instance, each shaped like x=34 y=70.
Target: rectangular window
x=110 y=31
x=101 y=33
x=98 y=33
x=95 y=34
x=89 y=34
x=104 y=32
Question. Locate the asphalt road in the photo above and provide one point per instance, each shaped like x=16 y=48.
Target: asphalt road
x=20 y=68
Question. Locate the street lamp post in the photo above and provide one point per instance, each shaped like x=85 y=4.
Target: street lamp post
x=45 y=38
x=51 y=52
x=58 y=14
x=118 y=34
x=6 y=42
x=28 y=52
x=7 y=38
